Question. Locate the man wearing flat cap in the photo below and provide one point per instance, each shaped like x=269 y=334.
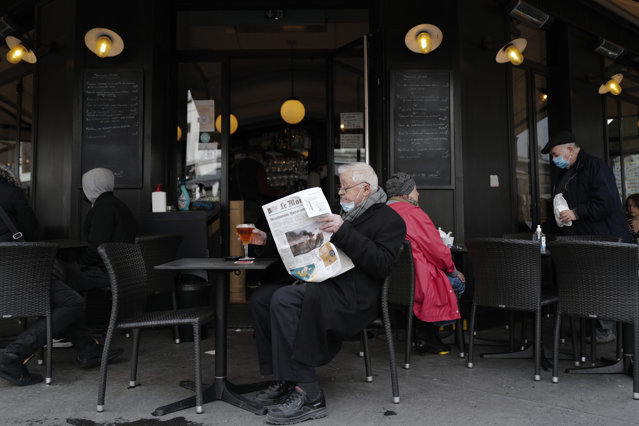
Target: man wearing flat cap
x=589 y=188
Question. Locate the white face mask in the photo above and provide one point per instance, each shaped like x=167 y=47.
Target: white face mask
x=347 y=207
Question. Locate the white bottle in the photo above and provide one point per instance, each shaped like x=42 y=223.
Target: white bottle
x=540 y=238
x=158 y=200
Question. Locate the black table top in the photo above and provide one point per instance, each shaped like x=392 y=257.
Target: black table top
x=215 y=264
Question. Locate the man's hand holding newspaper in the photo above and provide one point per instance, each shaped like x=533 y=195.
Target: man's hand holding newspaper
x=301 y=225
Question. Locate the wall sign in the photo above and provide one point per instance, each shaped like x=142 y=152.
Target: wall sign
x=421 y=126
x=112 y=124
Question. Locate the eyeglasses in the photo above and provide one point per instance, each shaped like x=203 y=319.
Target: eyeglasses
x=345 y=189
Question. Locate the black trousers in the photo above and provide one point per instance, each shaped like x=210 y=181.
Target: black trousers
x=67 y=319
x=276 y=311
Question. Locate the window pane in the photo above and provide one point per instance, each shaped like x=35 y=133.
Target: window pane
x=543 y=166
x=521 y=138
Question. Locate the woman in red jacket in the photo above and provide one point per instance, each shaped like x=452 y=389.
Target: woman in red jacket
x=438 y=283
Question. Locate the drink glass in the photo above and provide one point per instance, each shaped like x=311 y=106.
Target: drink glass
x=245 y=231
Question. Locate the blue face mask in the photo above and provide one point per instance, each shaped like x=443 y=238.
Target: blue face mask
x=347 y=207
x=561 y=162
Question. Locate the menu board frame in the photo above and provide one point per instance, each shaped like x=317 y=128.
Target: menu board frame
x=112 y=123
x=416 y=102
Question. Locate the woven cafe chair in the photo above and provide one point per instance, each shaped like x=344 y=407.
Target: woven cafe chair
x=25 y=285
x=609 y=238
x=127 y=274
x=158 y=249
x=507 y=275
x=597 y=279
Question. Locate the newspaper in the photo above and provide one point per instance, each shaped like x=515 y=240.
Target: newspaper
x=306 y=251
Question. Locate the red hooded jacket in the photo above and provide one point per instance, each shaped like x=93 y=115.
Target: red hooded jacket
x=435 y=299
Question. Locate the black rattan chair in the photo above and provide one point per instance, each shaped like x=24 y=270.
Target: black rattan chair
x=127 y=275
x=158 y=249
x=598 y=279
x=609 y=238
x=25 y=284
x=507 y=275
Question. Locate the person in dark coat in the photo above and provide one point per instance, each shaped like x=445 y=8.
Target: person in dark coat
x=301 y=326
x=589 y=188
x=108 y=221
x=67 y=306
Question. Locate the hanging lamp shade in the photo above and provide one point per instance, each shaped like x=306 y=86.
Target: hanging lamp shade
x=512 y=52
x=18 y=51
x=104 y=42
x=292 y=110
x=233 y=120
x=612 y=86
x=423 y=38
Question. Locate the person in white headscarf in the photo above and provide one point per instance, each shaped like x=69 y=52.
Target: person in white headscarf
x=108 y=221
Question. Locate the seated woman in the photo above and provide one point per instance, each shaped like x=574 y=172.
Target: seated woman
x=632 y=213
x=438 y=283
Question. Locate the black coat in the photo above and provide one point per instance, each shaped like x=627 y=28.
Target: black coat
x=341 y=307
x=108 y=221
x=593 y=195
x=15 y=204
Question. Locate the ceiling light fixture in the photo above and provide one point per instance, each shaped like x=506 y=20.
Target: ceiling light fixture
x=104 y=42
x=512 y=51
x=423 y=38
x=233 y=122
x=292 y=110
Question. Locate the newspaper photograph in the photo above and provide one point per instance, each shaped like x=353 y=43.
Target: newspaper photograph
x=306 y=251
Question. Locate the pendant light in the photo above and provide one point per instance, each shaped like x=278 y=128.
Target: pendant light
x=512 y=52
x=423 y=38
x=18 y=51
x=612 y=86
x=104 y=42
x=292 y=110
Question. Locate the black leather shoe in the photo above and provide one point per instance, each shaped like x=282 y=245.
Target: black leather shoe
x=423 y=347
x=297 y=408
x=13 y=369
x=93 y=358
x=276 y=393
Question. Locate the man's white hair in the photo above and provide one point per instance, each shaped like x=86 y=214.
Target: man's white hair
x=361 y=172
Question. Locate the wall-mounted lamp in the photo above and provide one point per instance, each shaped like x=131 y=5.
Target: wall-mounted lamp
x=19 y=51
x=233 y=120
x=613 y=85
x=543 y=94
x=512 y=51
x=423 y=38
x=104 y=42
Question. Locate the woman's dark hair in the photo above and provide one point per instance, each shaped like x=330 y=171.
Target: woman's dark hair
x=634 y=198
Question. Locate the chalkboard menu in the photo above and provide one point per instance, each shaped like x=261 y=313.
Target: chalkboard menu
x=111 y=124
x=421 y=109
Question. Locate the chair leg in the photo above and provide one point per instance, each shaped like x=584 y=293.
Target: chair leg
x=391 y=352
x=367 y=359
x=575 y=352
x=49 y=349
x=619 y=340
x=176 y=329
x=409 y=338
x=511 y=330
x=104 y=365
x=555 y=350
x=593 y=342
x=460 y=337
x=537 y=345
x=471 y=337
x=134 y=357
x=523 y=341
x=198 y=368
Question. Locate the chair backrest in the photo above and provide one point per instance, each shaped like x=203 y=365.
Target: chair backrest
x=611 y=238
x=402 y=278
x=597 y=278
x=157 y=249
x=25 y=278
x=507 y=273
x=525 y=236
x=127 y=276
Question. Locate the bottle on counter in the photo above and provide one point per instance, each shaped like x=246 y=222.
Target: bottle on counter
x=184 y=199
x=540 y=238
x=158 y=200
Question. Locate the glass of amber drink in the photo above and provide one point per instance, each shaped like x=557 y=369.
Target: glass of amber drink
x=245 y=231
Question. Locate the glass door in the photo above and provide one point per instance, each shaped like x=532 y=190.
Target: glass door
x=348 y=129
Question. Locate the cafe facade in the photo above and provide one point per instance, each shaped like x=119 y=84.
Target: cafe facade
x=467 y=127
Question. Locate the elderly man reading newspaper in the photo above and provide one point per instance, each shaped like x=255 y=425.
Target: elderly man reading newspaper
x=300 y=326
